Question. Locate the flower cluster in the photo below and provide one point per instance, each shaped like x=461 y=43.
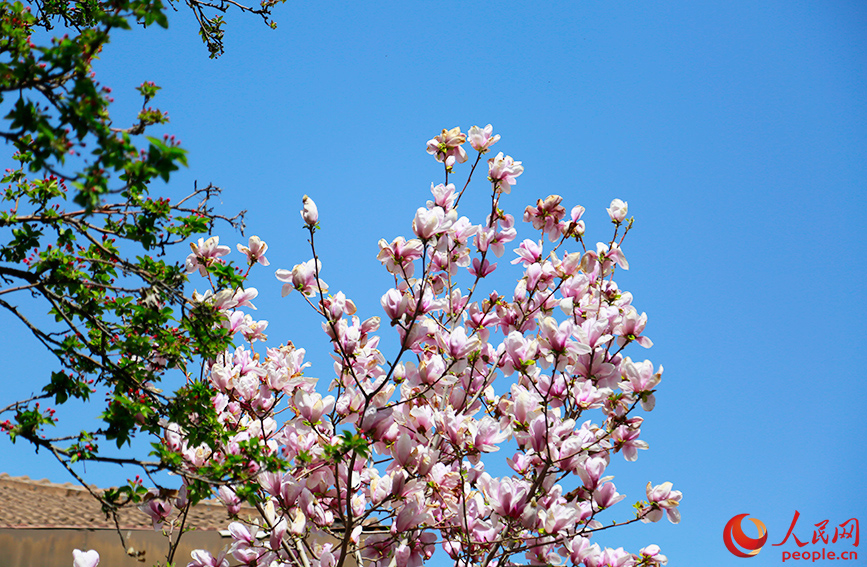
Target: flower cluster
x=395 y=460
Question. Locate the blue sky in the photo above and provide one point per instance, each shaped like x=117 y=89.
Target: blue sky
x=736 y=131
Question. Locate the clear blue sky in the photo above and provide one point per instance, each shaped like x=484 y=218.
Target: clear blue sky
x=737 y=132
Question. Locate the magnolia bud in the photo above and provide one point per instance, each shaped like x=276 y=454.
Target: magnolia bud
x=309 y=213
x=618 y=210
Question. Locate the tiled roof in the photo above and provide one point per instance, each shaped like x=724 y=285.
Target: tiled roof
x=28 y=503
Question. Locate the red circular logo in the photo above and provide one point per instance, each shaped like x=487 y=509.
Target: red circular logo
x=734 y=534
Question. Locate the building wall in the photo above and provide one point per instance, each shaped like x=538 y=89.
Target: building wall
x=53 y=547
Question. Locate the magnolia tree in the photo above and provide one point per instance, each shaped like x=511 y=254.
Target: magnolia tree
x=397 y=459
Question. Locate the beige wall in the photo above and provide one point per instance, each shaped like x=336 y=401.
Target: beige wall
x=53 y=547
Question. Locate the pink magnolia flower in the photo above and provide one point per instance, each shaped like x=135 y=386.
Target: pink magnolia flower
x=502 y=172
x=592 y=470
x=460 y=232
x=158 y=510
x=495 y=238
x=251 y=556
x=196 y=456
x=370 y=325
x=223 y=300
x=431 y=222
x=241 y=534
x=604 y=374
x=312 y=406
x=298 y=523
x=182 y=498
x=444 y=196
x=520 y=352
x=421 y=418
x=481 y=139
x=173 y=437
x=278 y=530
x=640 y=379
x=508 y=496
x=396 y=304
x=557 y=517
x=488 y=435
x=611 y=558
x=406 y=451
x=579 y=548
x=303 y=278
x=590 y=264
x=255 y=251
x=546 y=216
x=663 y=498
x=612 y=255
x=204 y=254
x=448 y=144
x=456 y=344
x=230 y=499
x=607 y=496
x=380 y=488
x=528 y=252
x=309 y=213
x=431 y=369
x=243 y=297
x=253 y=330
x=203 y=558
x=542 y=551
x=558 y=338
x=410 y=516
x=526 y=405
x=651 y=556
x=482 y=268
x=587 y=396
x=416 y=551
x=88 y=558
x=631 y=327
x=617 y=211
x=339 y=305
x=593 y=332
x=625 y=439
x=326 y=557
x=576 y=227
x=399 y=256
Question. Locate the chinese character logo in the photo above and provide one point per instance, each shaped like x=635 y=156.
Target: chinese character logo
x=734 y=534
